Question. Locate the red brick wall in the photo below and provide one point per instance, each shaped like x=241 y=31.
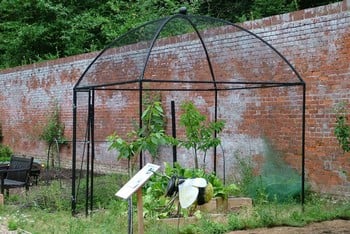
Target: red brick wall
x=316 y=41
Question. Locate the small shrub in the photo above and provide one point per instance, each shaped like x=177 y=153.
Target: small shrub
x=211 y=227
x=342 y=127
x=5 y=153
x=105 y=187
x=190 y=229
x=53 y=197
x=12 y=224
x=296 y=217
x=235 y=222
x=54 y=129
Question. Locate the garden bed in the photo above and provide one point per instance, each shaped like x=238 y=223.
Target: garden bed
x=216 y=210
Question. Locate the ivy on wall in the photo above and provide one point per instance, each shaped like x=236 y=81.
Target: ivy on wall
x=342 y=127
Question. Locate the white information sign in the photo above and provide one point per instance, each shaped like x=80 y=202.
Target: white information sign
x=137 y=180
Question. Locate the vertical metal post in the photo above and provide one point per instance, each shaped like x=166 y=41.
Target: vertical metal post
x=303 y=148
x=173 y=124
x=140 y=117
x=92 y=115
x=88 y=156
x=74 y=140
x=215 y=119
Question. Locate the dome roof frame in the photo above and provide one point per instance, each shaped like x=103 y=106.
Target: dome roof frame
x=89 y=82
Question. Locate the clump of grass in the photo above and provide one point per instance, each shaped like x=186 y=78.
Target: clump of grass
x=54 y=197
x=54 y=216
x=12 y=224
x=318 y=208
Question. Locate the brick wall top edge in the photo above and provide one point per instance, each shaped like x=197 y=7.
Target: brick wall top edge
x=48 y=63
x=330 y=9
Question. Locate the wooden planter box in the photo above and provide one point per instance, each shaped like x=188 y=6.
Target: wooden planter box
x=232 y=204
x=217 y=209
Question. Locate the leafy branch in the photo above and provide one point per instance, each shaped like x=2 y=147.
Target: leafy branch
x=342 y=127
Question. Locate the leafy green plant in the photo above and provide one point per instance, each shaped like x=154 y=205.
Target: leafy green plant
x=50 y=198
x=53 y=131
x=148 y=138
x=220 y=190
x=1 y=131
x=155 y=188
x=53 y=134
x=5 y=153
x=342 y=127
x=153 y=117
x=199 y=132
x=12 y=224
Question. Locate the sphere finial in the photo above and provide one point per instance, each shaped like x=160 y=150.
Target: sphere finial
x=183 y=10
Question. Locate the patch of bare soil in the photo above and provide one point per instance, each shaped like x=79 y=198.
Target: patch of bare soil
x=4 y=230
x=56 y=173
x=326 y=227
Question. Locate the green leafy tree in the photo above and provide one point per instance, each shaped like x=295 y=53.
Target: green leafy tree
x=224 y=9
x=37 y=30
x=29 y=31
x=53 y=131
x=263 y=8
x=199 y=133
x=53 y=134
x=148 y=138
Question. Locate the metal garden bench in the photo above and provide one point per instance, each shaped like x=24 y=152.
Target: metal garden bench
x=17 y=174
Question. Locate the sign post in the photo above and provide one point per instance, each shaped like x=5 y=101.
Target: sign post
x=135 y=184
x=140 y=211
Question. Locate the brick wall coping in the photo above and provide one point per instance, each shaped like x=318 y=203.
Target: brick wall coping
x=335 y=8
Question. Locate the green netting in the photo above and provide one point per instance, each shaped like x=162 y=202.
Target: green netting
x=277 y=180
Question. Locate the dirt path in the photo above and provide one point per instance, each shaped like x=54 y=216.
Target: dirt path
x=326 y=227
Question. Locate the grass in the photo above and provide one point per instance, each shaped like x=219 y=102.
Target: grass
x=316 y=209
x=46 y=209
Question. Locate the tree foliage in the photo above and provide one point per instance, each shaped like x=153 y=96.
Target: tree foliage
x=53 y=131
x=200 y=134
x=148 y=138
x=36 y=30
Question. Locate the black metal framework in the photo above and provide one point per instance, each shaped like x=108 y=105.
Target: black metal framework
x=109 y=71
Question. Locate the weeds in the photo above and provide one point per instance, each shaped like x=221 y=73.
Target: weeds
x=5 y=153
